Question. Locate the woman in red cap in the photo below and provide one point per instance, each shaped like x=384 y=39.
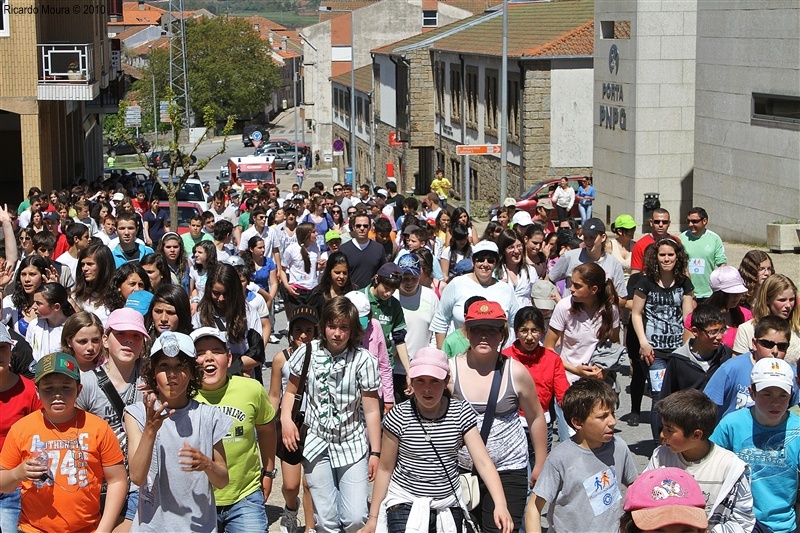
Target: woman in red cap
x=498 y=402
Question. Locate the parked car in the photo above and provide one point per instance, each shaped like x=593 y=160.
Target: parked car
x=163 y=159
x=247 y=132
x=543 y=189
x=287 y=144
x=191 y=191
x=284 y=159
x=126 y=148
x=186 y=210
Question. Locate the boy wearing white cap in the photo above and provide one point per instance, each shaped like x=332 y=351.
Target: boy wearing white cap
x=767 y=437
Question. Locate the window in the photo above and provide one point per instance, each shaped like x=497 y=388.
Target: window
x=336 y=109
x=430 y=18
x=490 y=109
x=472 y=97
x=438 y=81
x=473 y=182
x=455 y=94
x=4 y=22
x=615 y=29
x=776 y=111
x=513 y=108
x=360 y=113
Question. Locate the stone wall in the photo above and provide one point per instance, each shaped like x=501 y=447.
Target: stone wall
x=421 y=101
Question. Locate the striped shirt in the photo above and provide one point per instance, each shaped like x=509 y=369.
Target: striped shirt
x=418 y=469
x=333 y=396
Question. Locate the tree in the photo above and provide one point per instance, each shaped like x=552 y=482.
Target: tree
x=230 y=67
x=180 y=159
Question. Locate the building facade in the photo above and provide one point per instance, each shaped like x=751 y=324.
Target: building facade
x=56 y=78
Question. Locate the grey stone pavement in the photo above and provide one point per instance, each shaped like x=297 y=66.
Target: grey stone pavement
x=638 y=438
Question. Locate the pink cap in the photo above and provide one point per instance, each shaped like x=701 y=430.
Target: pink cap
x=666 y=496
x=127 y=319
x=727 y=279
x=429 y=362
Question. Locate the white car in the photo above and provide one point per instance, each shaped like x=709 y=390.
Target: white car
x=191 y=191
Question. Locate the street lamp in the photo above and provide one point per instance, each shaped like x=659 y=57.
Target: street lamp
x=352 y=84
x=155 y=102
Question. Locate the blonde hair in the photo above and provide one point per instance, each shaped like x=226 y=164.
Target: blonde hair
x=772 y=287
x=75 y=323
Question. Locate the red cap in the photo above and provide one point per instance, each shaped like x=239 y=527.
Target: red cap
x=485 y=313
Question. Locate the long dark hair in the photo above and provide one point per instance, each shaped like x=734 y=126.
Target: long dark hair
x=506 y=239
x=593 y=275
x=115 y=299
x=182 y=261
x=235 y=312
x=211 y=256
x=98 y=289
x=458 y=232
x=303 y=231
x=247 y=255
x=175 y=296
x=55 y=293
x=324 y=286
x=194 y=370
x=457 y=212
x=19 y=298
x=651 y=269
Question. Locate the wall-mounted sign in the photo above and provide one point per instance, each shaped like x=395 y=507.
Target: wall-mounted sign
x=612 y=110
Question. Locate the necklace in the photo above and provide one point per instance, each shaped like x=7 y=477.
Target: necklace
x=427 y=424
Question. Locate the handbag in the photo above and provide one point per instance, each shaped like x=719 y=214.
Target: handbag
x=470 y=489
x=298 y=418
x=469 y=525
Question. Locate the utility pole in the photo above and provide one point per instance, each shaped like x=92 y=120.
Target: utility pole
x=178 y=71
x=504 y=108
x=156 y=107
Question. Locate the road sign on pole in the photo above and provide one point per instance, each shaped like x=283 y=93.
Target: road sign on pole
x=163 y=111
x=256 y=136
x=133 y=116
x=478 y=149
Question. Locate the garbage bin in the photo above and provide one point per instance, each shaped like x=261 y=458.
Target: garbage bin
x=651 y=203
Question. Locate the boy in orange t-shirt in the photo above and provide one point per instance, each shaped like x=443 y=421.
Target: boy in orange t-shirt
x=82 y=451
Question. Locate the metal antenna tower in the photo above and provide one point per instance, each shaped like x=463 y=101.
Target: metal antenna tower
x=178 y=71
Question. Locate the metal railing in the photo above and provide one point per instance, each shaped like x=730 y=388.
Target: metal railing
x=59 y=63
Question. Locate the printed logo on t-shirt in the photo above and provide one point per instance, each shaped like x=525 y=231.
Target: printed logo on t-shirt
x=697 y=266
x=743 y=398
x=602 y=490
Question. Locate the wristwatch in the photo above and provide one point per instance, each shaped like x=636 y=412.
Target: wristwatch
x=270 y=474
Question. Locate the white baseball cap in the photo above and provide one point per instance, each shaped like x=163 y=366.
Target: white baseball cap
x=360 y=300
x=522 y=218
x=772 y=372
x=173 y=343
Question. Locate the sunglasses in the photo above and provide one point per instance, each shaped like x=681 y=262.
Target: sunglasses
x=337 y=189
x=660 y=222
x=782 y=346
x=361 y=226
x=694 y=220
x=25 y=238
x=336 y=211
x=487 y=258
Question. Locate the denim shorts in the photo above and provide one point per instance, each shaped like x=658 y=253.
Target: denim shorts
x=130 y=505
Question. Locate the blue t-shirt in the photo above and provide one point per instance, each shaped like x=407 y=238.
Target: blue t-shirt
x=588 y=191
x=773 y=454
x=261 y=276
x=729 y=387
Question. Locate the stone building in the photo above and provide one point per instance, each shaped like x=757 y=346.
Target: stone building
x=441 y=89
x=57 y=78
x=329 y=51
x=699 y=104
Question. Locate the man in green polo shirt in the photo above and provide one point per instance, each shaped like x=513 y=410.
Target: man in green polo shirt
x=705 y=250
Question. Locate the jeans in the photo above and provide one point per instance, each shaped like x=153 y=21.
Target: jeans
x=10 y=509
x=245 y=516
x=585 y=211
x=339 y=494
x=397 y=518
x=131 y=503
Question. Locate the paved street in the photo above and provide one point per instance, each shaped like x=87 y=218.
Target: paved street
x=638 y=438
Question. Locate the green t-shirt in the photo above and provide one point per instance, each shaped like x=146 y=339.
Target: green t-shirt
x=705 y=254
x=454 y=344
x=245 y=401
x=390 y=314
x=189 y=242
x=23 y=206
x=244 y=220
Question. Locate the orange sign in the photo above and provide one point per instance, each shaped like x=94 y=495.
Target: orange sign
x=478 y=149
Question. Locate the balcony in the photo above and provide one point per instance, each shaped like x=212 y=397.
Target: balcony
x=66 y=72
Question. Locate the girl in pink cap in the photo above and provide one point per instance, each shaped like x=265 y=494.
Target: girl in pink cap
x=417 y=485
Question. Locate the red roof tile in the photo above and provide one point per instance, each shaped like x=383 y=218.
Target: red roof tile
x=133 y=16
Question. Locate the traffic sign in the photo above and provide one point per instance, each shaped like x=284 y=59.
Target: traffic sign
x=133 y=116
x=478 y=149
x=338 y=145
x=256 y=136
x=163 y=111
x=257 y=143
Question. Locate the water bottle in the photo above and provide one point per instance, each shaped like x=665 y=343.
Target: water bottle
x=41 y=457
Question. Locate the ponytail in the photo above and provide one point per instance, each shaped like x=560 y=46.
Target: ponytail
x=594 y=276
x=303 y=232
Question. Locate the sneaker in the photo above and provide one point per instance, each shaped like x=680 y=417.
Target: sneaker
x=273 y=339
x=289 y=522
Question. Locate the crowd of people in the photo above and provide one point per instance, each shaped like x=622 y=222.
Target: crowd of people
x=429 y=367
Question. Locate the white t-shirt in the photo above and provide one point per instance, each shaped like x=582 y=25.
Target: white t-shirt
x=295 y=269
x=418 y=311
x=70 y=262
x=43 y=338
x=579 y=334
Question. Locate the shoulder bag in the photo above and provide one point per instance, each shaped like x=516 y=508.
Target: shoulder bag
x=470 y=489
x=469 y=525
x=298 y=418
